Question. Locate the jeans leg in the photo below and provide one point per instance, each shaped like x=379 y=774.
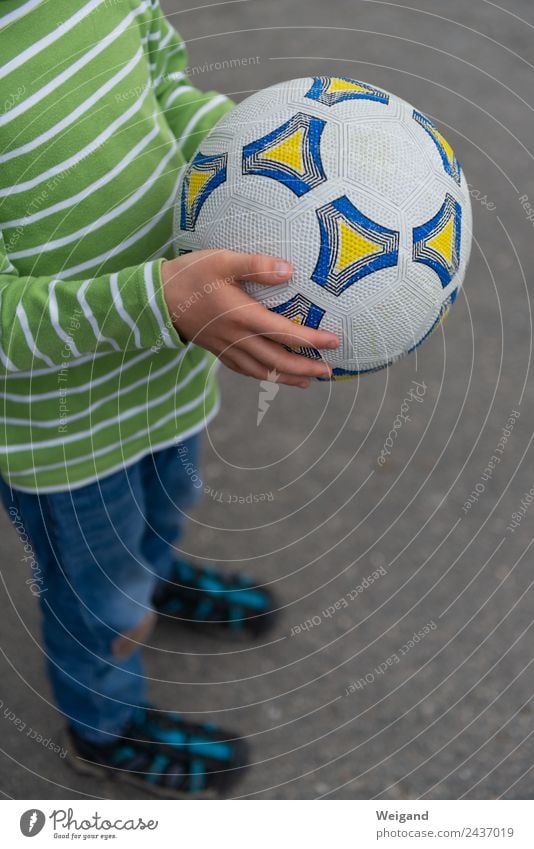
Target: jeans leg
x=95 y=597
x=171 y=485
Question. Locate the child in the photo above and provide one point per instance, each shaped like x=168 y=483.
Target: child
x=106 y=354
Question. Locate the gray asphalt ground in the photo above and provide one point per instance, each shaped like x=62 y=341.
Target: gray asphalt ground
x=452 y=715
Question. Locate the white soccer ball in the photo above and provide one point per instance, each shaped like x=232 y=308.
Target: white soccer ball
x=358 y=190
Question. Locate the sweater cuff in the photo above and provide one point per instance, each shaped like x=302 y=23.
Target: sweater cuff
x=154 y=309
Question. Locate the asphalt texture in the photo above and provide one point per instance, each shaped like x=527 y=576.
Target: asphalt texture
x=354 y=705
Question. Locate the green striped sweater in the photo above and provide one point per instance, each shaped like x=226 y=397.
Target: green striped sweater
x=96 y=120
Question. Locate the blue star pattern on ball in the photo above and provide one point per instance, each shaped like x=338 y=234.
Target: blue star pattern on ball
x=352 y=246
x=302 y=311
x=332 y=90
x=438 y=242
x=203 y=176
x=290 y=154
x=450 y=162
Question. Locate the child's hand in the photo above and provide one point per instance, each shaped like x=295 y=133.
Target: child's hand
x=209 y=307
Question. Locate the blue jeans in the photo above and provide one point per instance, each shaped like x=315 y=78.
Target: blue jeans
x=101 y=551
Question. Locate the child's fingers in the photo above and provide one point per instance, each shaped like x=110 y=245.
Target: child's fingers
x=254 y=317
x=223 y=267
x=233 y=266
x=260 y=268
x=280 y=329
x=244 y=363
x=274 y=356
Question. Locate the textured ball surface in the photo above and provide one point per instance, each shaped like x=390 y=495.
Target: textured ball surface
x=355 y=187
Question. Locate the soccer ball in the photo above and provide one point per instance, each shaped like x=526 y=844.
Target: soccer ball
x=355 y=187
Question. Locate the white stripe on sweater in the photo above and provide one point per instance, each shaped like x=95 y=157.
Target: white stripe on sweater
x=73 y=116
x=125 y=244
x=143 y=190
x=54 y=319
x=13 y=16
x=150 y=448
x=89 y=315
x=47 y=40
x=68 y=73
x=180 y=48
x=174 y=95
x=106 y=178
x=211 y=104
x=152 y=301
x=6 y=362
x=124 y=390
x=86 y=151
x=116 y=419
x=37 y=372
x=165 y=40
x=119 y=306
x=30 y=341
x=34 y=398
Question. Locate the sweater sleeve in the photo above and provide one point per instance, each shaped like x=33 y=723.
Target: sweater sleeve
x=190 y=113
x=45 y=321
